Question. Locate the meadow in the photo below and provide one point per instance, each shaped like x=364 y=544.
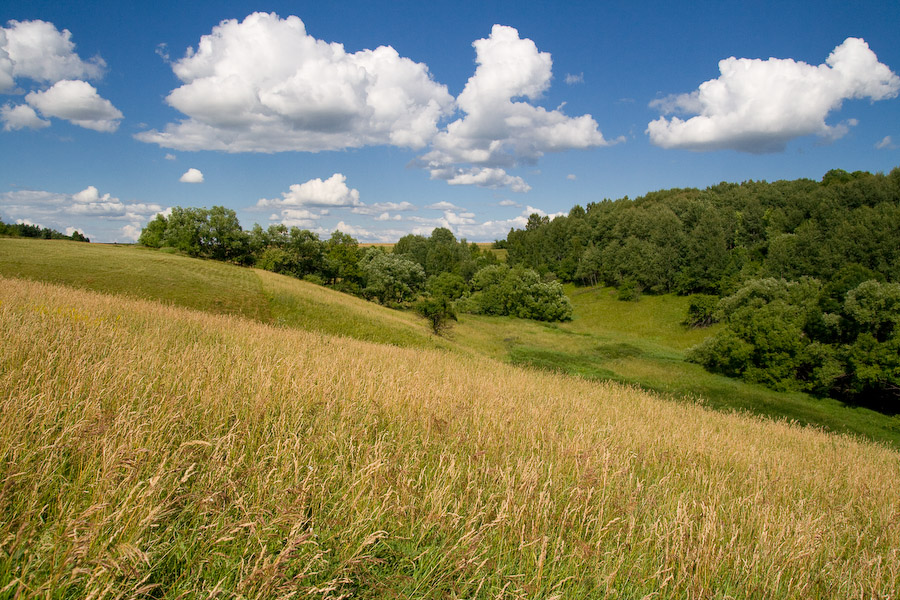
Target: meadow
x=149 y=450
x=637 y=343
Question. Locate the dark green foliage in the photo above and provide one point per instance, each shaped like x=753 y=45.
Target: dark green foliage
x=448 y=285
x=711 y=241
x=154 y=233
x=517 y=292
x=702 y=311
x=389 y=278
x=777 y=334
x=441 y=252
x=438 y=311
x=629 y=290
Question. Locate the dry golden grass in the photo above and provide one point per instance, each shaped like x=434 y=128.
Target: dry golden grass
x=153 y=451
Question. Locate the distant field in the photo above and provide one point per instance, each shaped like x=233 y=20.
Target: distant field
x=153 y=451
x=640 y=343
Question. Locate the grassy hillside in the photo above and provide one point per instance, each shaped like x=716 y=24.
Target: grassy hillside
x=209 y=286
x=640 y=343
x=148 y=450
x=643 y=343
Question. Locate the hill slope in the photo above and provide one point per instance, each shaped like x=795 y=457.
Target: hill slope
x=210 y=286
x=636 y=343
x=154 y=450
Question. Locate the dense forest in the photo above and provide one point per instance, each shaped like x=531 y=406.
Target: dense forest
x=803 y=274
x=35 y=231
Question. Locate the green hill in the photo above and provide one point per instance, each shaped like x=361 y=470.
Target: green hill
x=638 y=343
x=148 y=450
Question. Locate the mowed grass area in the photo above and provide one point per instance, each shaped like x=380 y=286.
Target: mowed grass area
x=149 y=450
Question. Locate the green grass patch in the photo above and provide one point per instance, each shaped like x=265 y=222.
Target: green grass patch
x=138 y=273
x=303 y=305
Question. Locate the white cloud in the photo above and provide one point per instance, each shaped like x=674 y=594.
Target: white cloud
x=571 y=177
x=170 y=156
x=130 y=232
x=887 y=143
x=78 y=102
x=442 y=205
x=7 y=82
x=501 y=129
x=316 y=192
x=21 y=117
x=759 y=105
x=481 y=176
x=385 y=216
x=192 y=175
x=508 y=202
x=265 y=85
x=379 y=207
x=573 y=79
x=38 y=51
x=352 y=230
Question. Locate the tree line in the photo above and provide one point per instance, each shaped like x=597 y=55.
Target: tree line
x=436 y=274
x=36 y=231
x=803 y=274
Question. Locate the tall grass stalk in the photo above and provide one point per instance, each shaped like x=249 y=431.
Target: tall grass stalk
x=151 y=451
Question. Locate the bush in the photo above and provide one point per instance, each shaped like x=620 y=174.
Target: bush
x=439 y=312
x=702 y=311
x=629 y=291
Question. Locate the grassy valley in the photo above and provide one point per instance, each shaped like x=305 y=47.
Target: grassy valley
x=249 y=446
x=639 y=343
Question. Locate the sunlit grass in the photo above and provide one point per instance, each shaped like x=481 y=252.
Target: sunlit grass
x=588 y=346
x=149 y=450
x=138 y=273
x=303 y=305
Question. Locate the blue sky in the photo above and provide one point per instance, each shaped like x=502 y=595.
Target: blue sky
x=385 y=118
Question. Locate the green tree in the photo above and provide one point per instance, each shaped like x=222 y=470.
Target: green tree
x=389 y=278
x=438 y=311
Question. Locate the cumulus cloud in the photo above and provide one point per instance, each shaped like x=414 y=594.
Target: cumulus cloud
x=316 y=192
x=78 y=102
x=759 y=105
x=508 y=202
x=489 y=177
x=353 y=230
x=573 y=79
x=21 y=117
x=170 y=156
x=265 y=85
x=502 y=128
x=192 y=175
x=36 y=50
